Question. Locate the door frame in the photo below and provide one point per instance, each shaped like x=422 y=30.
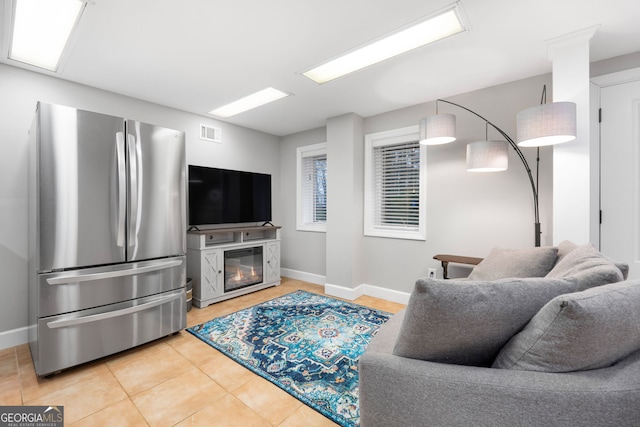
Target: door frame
x=598 y=83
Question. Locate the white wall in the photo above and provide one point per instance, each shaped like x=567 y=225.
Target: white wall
x=241 y=148
x=576 y=175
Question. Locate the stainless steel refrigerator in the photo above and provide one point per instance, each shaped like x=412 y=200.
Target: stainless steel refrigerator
x=107 y=235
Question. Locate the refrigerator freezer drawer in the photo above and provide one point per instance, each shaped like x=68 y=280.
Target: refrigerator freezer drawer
x=71 y=339
x=68 y=291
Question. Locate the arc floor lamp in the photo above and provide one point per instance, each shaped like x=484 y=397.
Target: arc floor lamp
x=542 y=125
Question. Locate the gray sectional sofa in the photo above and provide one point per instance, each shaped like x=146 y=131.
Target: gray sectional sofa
x=507 y=348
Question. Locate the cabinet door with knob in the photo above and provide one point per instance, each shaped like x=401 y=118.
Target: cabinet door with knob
x=206 y=269
x=272 y=256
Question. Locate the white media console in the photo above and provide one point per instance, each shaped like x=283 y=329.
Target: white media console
x=227 y=262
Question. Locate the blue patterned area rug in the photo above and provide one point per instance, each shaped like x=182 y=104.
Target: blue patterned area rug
x=306 y=344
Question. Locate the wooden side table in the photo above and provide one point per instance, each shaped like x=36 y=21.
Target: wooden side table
x=458 y=259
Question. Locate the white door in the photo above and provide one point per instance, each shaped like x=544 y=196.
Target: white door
x=620 y=174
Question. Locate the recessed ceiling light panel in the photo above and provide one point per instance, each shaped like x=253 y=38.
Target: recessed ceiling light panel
x=41 y=29
x=429 y=30
x=254 y=100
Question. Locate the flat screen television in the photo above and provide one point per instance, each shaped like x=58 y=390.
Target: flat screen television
x=223 y=196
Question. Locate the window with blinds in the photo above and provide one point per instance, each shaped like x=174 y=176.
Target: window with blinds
x=312 y=188
x=395 y=184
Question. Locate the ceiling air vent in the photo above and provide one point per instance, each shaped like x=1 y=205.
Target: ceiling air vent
x=209 y=133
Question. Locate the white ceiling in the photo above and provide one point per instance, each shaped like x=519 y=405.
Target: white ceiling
x=197 y=55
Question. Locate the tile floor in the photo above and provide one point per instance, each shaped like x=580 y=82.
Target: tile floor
x=174 y=381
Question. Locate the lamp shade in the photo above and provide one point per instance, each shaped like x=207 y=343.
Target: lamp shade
x=438 y=129
x=547 y=124
x=487 y=156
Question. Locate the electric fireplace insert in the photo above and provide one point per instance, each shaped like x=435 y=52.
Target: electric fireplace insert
x=242 y=268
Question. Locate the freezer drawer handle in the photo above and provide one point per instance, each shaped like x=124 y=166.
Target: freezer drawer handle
x=102 y=316
x=61 y=280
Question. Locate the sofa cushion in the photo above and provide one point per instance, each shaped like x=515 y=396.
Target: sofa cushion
x=505 y=263
x=578 y=331
x=468 y=322
x=589 y=266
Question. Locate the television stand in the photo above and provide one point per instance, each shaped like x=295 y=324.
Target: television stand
x=228 y=262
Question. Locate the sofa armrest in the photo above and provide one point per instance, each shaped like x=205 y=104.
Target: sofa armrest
x=401 y=391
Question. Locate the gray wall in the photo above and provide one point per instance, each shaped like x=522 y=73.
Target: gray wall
x=304 y=251
x=241 y=148
x=345 y=177
x=613 y=65
x=467 y=213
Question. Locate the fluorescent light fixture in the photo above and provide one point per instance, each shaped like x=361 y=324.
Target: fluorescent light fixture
x=257 y=99
x=41 y=30
x=434 y=28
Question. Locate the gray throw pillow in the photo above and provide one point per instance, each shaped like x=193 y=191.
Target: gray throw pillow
x=506 y=263
x=622 y=266
x=589 y=266
x=564 y=248
x=583 y=330
x=468 y=322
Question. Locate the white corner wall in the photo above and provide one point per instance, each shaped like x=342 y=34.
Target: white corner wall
x=575 y=184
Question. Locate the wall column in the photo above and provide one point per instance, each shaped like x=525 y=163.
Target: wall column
x=345 y=148
x=575 y=173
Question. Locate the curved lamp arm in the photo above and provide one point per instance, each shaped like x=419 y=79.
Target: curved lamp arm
x=536 y=212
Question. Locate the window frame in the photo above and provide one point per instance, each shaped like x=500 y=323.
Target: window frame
x=387 y=138
x=302 y=223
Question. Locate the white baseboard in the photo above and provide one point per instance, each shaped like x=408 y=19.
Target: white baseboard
x=301 y=275
x=344 y=292
x=388 y=294
x=14 y=337
x=347 y=293
x=369 y=290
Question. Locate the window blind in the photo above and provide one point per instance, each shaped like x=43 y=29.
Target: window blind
x=397 y=185
x=314 y=188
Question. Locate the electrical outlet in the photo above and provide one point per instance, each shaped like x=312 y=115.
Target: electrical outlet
x=432 y=273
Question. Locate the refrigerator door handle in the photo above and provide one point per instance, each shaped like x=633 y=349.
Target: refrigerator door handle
x=122 y=188
x=133 y=188
x=110 y=314
x=61 y=280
